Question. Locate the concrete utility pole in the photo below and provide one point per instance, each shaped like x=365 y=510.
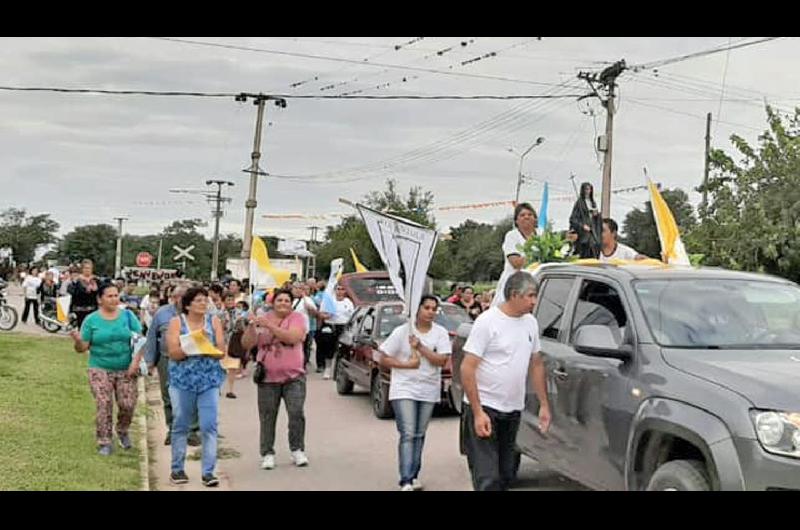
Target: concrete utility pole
x=707 y=160
x=607 y=82
x=251 y=203
x=118 y=260
x=218 y=199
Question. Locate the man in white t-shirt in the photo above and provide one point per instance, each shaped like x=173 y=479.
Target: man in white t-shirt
x=304 y=305
x=416 y=361
x=501 y=351
x=612 y=248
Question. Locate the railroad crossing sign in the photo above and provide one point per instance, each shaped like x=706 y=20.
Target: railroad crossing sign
x=183 y=253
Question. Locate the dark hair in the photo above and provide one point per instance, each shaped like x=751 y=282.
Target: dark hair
x=468 y=287
x=189 y=296
x=236 y=281
x=523 y=206
x=454 y=287
x=427 y=297
x=227 y=294
x=278 y=292
x=591 y=195
x=217 y=288
x=612 y=225
x=103 y=287
x=245 y=305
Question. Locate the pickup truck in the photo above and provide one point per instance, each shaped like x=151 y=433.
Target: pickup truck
x=665 y=378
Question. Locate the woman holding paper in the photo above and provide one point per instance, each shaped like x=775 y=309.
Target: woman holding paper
x=416 y=360
x=106 y=335
x=196 y=343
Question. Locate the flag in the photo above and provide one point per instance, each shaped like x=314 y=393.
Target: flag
x=262 y=273
x=672 y=249
x=406 y=249
x=62 y=308
x=358 y=265
x=337 y=266
x=196 y=343
x=543 y=210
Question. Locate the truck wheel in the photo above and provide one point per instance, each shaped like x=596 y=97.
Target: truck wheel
x=680 y=475
x=379 y=393
x=343 y=384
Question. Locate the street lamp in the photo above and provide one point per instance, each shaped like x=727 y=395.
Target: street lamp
x=538 y=142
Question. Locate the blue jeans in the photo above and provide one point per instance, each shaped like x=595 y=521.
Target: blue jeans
x=412 y=419
x=184 y=403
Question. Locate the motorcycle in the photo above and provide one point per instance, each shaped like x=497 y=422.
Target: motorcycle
x=8 y=315
x=49 y=321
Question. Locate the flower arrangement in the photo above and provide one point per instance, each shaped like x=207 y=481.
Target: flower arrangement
x=547 y=247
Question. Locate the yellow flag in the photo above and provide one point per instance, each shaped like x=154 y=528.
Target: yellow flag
x=359 y=266
x=262 y=273
x=672 y=249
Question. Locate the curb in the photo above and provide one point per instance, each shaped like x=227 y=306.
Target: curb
x=144 y=456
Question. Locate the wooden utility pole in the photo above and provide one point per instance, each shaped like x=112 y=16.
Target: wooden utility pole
x=707 y=160
x=217 y=199
x=606 y=81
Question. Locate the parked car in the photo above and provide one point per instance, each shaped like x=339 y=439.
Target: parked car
x=370 y=325
x=663 y=378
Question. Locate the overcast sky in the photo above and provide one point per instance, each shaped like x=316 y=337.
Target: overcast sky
x=88 y=158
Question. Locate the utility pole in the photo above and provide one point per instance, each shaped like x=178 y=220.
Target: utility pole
x=251 y=203
x=520 y=176
x=160 y=246
x=311 y=262
x=218 y=200
x=707 y=160
x=607 y=82
x=118 y=260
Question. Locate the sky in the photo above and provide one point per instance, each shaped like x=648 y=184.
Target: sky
x=86 y=159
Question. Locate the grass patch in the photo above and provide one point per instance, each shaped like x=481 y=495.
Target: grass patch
x=47 y=427
x=223 y=453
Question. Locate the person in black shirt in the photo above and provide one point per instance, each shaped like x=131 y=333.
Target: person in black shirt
x=84 y=292
x=470 y=303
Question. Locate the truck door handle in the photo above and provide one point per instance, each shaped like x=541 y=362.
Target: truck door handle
x=561 y=374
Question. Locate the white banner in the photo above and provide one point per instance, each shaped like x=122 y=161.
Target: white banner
x=406 y=249
x=336 y=272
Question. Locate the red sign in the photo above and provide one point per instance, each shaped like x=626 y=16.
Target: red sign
x=144 y=259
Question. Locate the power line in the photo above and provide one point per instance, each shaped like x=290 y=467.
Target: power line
x=724 y=79
x=681 y=58
x=353 y=61
x=667 y=109
x=286 y=96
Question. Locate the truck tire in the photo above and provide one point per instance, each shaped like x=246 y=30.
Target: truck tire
x=379 y=394
x=680 y=475
x=344 y=385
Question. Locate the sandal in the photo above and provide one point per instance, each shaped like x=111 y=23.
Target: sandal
x=230 y=395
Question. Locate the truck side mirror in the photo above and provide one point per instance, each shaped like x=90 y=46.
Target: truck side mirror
x=599 y=341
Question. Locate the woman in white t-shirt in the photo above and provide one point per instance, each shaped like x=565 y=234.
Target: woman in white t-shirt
x=524 y=228
x=416 y=362
x=31 y=286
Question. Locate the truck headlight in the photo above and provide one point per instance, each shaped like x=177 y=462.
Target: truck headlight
x=778 y=432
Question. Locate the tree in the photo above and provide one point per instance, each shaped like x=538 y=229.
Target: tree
x=23 y=234
x=640 y=229
x=95 y=242
x=475 y=251
x=752 y=220
x=184 y=233
x=416 y=207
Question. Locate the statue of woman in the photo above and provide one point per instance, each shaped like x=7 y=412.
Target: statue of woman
x=587 y=222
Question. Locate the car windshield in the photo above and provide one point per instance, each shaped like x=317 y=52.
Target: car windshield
x=449 y=317
x=372 y=290
x=722 y=314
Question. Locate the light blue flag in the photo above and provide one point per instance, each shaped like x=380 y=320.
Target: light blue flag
x=543 y=211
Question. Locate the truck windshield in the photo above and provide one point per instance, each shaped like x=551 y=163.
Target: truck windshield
x=721 y=314
x=373 y=290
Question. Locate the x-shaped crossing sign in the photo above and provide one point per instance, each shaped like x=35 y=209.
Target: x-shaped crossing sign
x=183 y=252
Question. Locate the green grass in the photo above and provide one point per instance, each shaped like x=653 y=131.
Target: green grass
x=47 y=428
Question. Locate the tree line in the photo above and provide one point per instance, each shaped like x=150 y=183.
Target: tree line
x=750 y=222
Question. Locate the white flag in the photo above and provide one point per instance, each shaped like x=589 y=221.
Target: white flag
x=336 y=272
x=406 y=249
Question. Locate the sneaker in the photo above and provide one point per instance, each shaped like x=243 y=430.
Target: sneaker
x=417 y=485
x=125 y=441
x=178 y=477
x=193 y=440
x=168 y=439
x=268 y=462
x=104 y=450
x=300 y=459
x=210 y=481
x=406 y=487
x=319 y=370
x=230 y=395
x=327 y=374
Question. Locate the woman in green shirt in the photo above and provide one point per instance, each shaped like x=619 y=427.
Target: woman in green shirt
x=106 y=334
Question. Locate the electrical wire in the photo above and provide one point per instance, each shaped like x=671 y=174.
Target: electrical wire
x=722 y=90
x=667 y=109
x=353 y=61
x=704 y=53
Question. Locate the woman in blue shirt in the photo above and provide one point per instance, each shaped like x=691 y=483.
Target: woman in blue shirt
x=194 y=382
x=106 y=334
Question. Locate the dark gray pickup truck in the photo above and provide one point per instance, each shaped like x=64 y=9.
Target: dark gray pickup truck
x=666 y=378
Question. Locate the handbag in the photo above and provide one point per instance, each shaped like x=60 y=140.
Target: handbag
x=260 y=371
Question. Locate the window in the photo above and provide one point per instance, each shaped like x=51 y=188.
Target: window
x=599 y=304
x=391 y=317
x=551 y=305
